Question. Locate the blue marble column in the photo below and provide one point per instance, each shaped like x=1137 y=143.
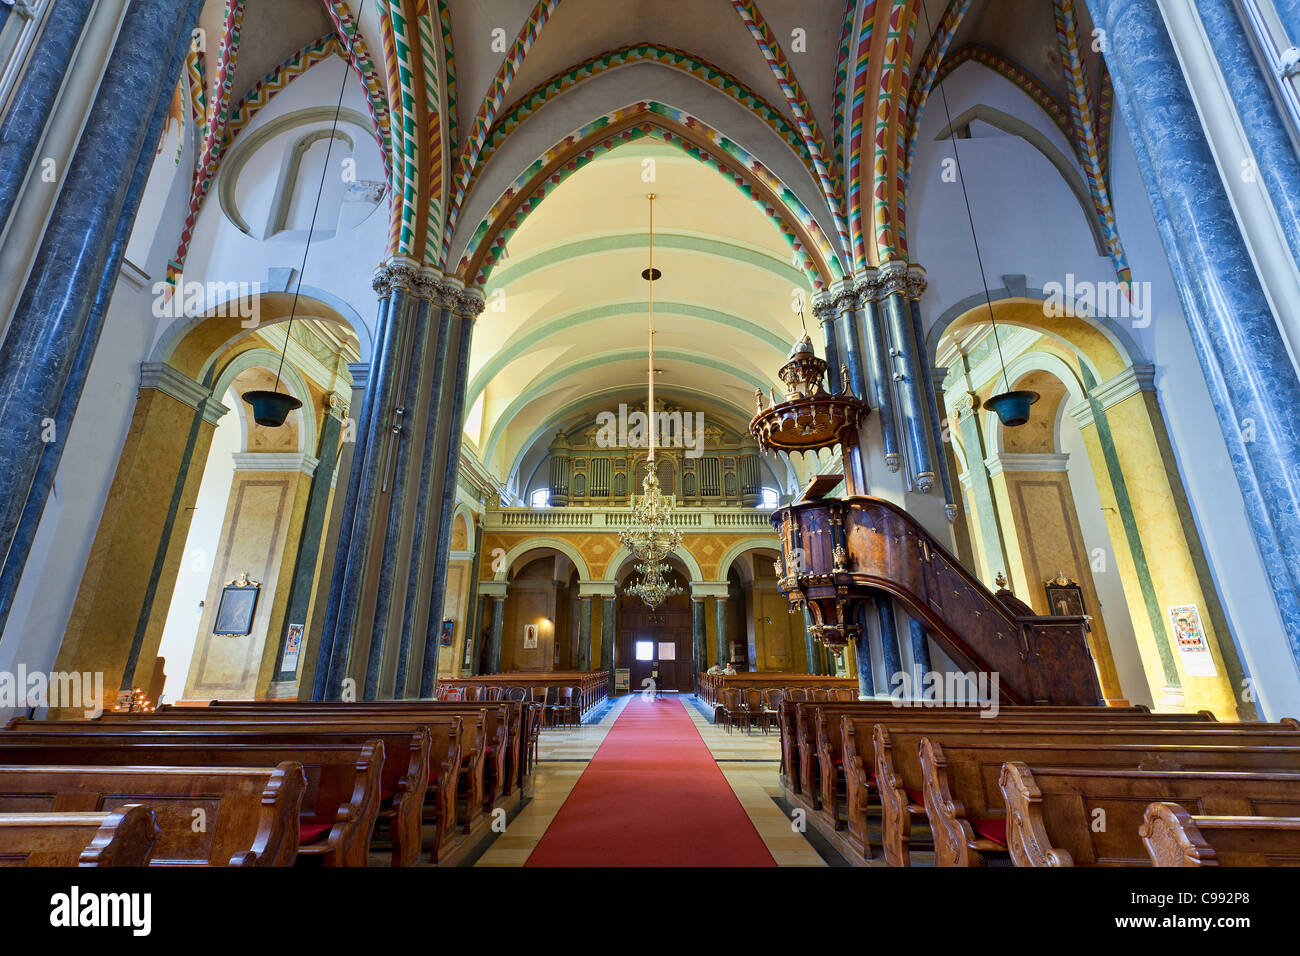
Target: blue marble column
x=52 y=338
x=1276 y=163
x=410 y=362
x=826 y=319
x=34 y=506
x=1288 y=12
x=33 y=99
x=1245 y=362
x=306 y=561
x=841 y=300
x=697 y=637
x=890 y=651
x=494 y=642
x=906 y=374
x=468 y=306
x=360 y=514
x=931 y=393
x=920 y=646
x=811 y=648
x=877 y=367
x=866 y=669
x=608 y=637
x=437 y=310
x=720 y=615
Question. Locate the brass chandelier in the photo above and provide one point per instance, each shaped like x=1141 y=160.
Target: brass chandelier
x=651 y=536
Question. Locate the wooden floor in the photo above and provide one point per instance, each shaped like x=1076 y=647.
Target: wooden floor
x=749 y=762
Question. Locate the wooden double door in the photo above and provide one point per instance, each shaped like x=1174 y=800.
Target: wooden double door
x=661 y=638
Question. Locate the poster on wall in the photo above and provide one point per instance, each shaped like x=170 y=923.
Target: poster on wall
x=622 y=678
x=1189 y=638
x=530 y=637
x=445 y=637
x=292 y=648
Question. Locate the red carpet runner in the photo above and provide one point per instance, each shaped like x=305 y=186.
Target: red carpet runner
x=652 y=796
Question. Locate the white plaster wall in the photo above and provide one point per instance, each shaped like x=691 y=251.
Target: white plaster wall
x=185 y=612
x=1029 y=224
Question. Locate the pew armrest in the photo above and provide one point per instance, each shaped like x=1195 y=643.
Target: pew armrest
x=1027 y=839
x=1172 y=837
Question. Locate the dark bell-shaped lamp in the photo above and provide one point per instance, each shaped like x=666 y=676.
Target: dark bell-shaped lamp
x=270 y=409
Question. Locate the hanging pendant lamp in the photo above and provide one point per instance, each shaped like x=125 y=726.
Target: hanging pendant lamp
x=1011 y=406
x=271 y=408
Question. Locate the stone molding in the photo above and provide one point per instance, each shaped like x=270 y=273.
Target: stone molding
x=275 y=461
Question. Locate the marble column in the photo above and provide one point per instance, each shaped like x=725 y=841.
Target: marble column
x=931 y=390
x=34 y=96
x=812 y=654
x=876 y=358
x=840 y=302
x=397 y=484
x=1243 y=357
x=1276 y=162
x=584 y=632
x=826 y=317
x=906 y=373
x=890 y=651
x=1288 y=11
x=721 y=638
x=697 y=637
x=313 y=536
x=466 y=306
x=360 y=506
x=866 y=674
x=607 y=638
x=494 y=641
x=54 y=333
x=920 y=646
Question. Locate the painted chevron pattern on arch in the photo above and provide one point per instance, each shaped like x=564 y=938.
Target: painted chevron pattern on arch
x=719 y=79
x=805 y=121
x=856 y=133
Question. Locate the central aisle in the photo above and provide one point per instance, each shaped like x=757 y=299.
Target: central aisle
x=652 y=796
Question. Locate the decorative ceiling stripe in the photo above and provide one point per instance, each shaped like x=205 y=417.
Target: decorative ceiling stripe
x=889 y=88
x=397 y=188
x=533 y=192
x=1010 y=70
x=487 y=112
x=898 y=143
x=1105 y=114
x=857 y=124
x=840 y=86
x=449 y=72
x=922 y=84
x=210 y=153
x=431 y=199
x=275 y=81
x=410 y=120
x=198 y=95
x=804 y=119
x=359 y=57
x=667 y=56
x=1085 y=133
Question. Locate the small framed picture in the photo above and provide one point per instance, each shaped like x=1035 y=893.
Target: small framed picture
x=445 y=635
x=1064 y=598
x=530 y=637
x=237 y=606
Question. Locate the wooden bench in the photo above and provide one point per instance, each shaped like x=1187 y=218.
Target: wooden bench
x=1174 y=837
x=249 y=815
x=121 y=837
x=469 y=791
x=1052 y=817
x=884 y=755
x=348 y=774
x=961 y=771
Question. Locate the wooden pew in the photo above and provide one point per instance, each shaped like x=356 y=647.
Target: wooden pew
x=1051 y=810
x=883 y=755
x=345 y=775
x=508 y=722
x=467 y=791
x=121 y=837
x=961 y=771
x=250 y=814
x=1174 y=837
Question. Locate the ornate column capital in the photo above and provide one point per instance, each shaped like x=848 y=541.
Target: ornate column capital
x=823 y=306
x=916 y=282
x=893 y=277
x=867 y=285
x=398 y=272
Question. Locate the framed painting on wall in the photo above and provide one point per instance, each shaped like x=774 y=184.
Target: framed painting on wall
x=237 y=606
x=445 y=635
x=1064 y=598
x=530 y=637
